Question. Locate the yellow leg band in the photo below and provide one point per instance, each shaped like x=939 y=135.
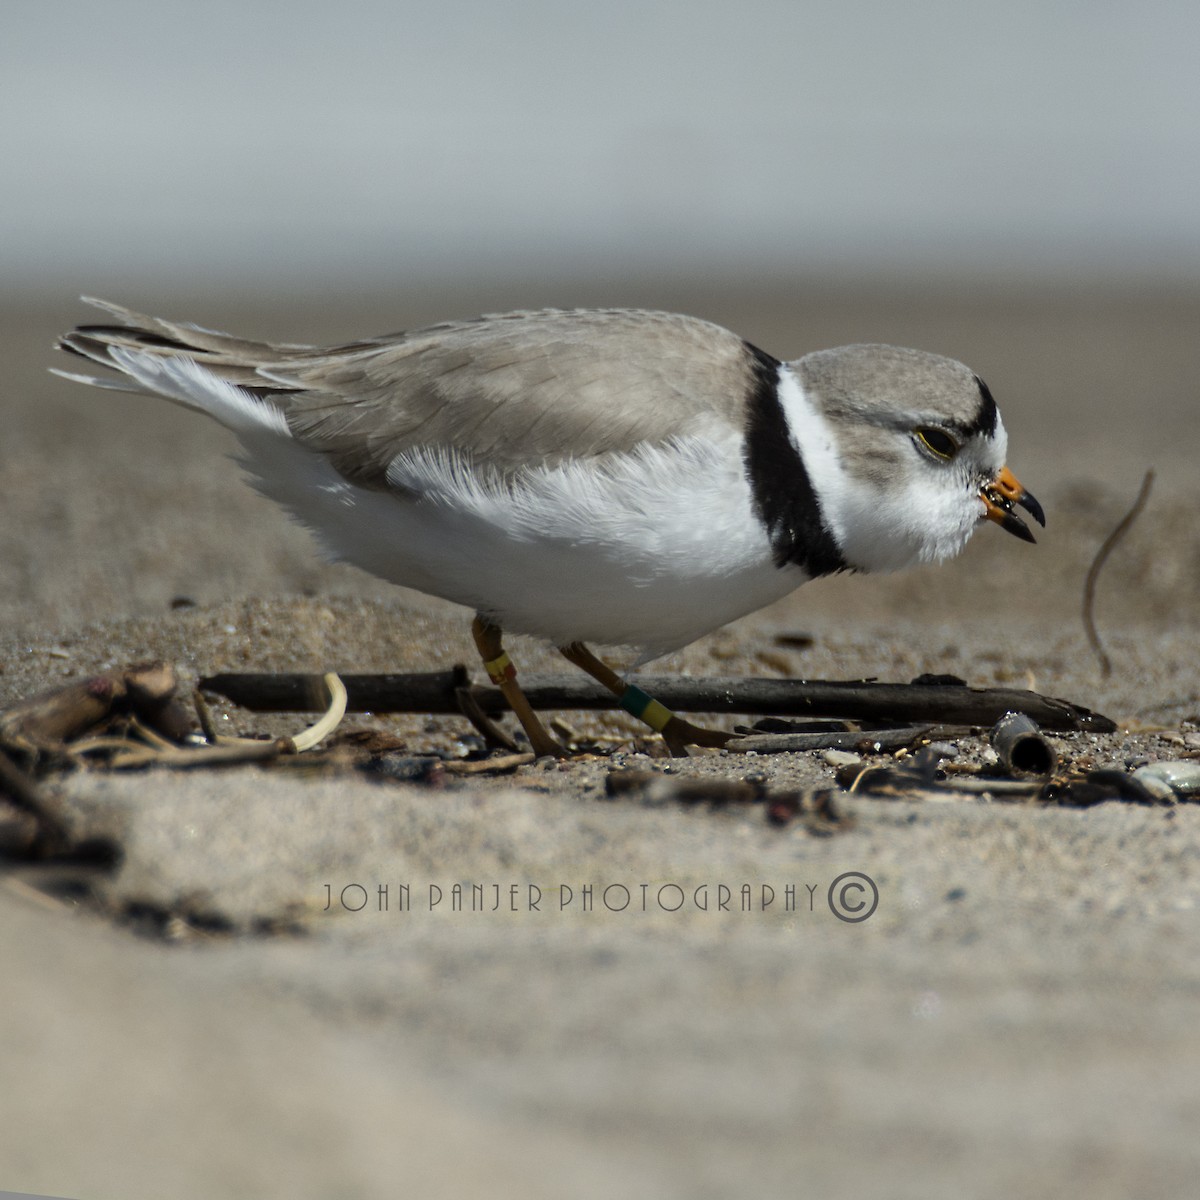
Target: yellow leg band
x=657 y=715
x=500 y=669
x=638 y=704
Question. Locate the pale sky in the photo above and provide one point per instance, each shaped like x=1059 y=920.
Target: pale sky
x=231 y=141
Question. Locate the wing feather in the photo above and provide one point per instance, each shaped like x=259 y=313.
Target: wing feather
x=512 y=389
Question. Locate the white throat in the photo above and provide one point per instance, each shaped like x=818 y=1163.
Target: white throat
x=813 y=439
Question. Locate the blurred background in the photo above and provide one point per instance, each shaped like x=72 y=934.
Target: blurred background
x=1011 y=185
x=382 y=143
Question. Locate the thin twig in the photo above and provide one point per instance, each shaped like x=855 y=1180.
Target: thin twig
x=128 y=755
x=494 y=737
x=488 y=766
x=204 y=715
x=867 y=742
x=1089 y=584
x=105 y=743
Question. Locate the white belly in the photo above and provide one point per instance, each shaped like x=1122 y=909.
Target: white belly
x=651 y=550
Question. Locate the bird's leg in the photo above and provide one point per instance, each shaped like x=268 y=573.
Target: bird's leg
x=676 y=732
x=503 y=674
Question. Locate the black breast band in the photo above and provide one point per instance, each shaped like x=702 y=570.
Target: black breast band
x=783 y=493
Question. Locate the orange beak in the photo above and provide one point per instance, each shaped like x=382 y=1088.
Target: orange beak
x=1001 y=495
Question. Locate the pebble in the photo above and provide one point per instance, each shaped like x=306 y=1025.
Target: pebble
x=840 y=758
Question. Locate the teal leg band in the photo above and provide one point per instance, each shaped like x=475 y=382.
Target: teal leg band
x=638 y=704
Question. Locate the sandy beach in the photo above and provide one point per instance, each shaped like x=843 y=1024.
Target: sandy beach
x=219 y=1016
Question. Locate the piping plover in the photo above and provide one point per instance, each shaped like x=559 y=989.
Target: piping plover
x=618 y=476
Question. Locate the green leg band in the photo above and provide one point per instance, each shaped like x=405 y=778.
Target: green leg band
x=638 y=704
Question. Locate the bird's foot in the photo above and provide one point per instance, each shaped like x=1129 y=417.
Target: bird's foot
x=679 y=734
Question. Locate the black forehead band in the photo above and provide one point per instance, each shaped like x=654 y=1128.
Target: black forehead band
x=984 y=422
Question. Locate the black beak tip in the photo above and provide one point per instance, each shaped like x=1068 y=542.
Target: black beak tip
x=1034 y=509
x=1017 y=528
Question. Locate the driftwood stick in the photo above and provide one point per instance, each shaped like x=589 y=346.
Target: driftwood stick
x=435 y=692
x=127 y=755
x=863 y=742
x=64 y=713
x=53 y=717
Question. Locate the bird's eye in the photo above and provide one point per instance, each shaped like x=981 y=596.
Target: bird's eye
x=937 y=441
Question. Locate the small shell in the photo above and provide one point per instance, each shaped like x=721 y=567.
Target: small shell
x=1171 y=779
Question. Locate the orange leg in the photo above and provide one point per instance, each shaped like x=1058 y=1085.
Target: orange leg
x=676 y=732
x=504 y=675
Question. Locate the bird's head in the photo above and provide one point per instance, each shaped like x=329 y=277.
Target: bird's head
x=906 y=451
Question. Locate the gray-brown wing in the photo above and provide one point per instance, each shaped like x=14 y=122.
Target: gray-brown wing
x=517 y=389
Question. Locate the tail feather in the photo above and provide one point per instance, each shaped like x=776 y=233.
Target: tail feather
x=187 y=382
x=99 y=343
x=201 y=369
x=98 y=381
x=181 y=335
